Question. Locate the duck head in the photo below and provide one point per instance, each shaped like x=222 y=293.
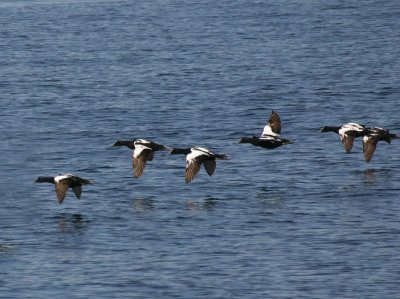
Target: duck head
x=182 y=151
x=45 y=179
x=329 y=129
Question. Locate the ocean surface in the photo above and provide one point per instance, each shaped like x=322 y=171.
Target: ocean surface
x=305 y=220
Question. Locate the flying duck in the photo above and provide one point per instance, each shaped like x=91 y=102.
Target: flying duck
x=347 y=132
x=64 y=181
x=143 y=151
x=270 y=136
x=195 y=157
x=371 y=139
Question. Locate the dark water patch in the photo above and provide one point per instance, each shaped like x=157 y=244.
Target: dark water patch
x=143 y=204
x=7 y=247
x=72 y=222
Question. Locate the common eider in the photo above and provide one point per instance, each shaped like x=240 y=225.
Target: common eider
x=64 y=181
x=270 y=136
x=143 y=151
x=371 y=139
x=195 y=157
x=347 y=132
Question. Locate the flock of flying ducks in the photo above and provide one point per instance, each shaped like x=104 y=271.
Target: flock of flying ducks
x=143 y=151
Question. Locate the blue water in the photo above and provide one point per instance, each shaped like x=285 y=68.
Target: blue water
x=305 y=220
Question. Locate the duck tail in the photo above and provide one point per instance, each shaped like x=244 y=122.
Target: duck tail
x=222 y=157
x=85 y=181
x=287 y=141
x=245 y=140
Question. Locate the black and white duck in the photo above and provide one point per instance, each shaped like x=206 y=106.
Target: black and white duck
x=197 y=156
x=64 y=181
x=347 y=132
x=143 y=151
x=270 y=136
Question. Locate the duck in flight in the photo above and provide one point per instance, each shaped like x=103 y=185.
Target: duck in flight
x=143 y=151
x=347 y=132
x=197 y=156
x=270 y=136
x=371 y=139
x=64 y=181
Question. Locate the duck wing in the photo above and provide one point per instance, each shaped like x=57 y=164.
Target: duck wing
x=192 y=168
x=210 y=166
x=273 y=126
x=369 y=146
x=140 y=157
x=151 y=156
x=347 y=141
x=61 y=189
x=78 y=191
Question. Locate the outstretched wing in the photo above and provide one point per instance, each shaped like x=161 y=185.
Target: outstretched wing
x=61 y=189
x=273 y=126
x=140 y=157
x=192 y=168
x=369 y=147
x=347 y=142
x=210 y=166
x=78 y=191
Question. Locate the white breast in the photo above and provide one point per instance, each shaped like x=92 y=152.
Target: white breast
x=139 y=148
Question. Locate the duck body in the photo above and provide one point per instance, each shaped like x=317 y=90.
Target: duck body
x=143 y=151
x=64 y=181
x=269 y=138
x=371 y=139
x=197 y=156
x=347 y=132
x=266 y=141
